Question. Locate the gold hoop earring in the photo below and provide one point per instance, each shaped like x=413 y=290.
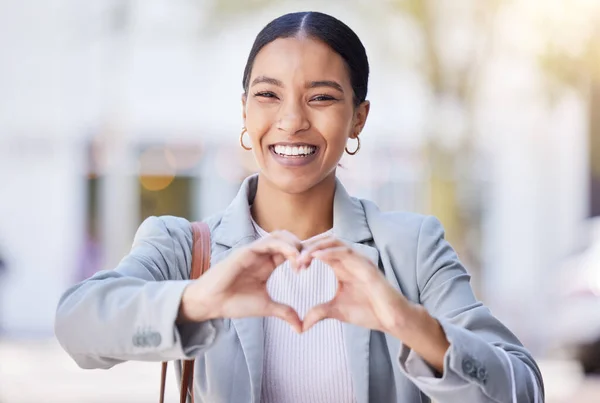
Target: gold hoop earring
x=357 y=147
x=244 y=130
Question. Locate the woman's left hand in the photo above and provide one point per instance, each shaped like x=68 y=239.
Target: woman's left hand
x=364 y=297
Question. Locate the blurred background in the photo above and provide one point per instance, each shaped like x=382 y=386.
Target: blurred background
x=485 y=113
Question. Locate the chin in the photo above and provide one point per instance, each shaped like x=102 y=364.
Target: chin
x=293 y=183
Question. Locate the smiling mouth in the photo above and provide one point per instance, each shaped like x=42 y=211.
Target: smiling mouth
x=294 y=151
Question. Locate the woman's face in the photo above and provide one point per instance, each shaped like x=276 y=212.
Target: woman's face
x=299 y=112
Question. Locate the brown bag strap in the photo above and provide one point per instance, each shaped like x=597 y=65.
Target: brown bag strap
x=200 y=250
x=200 y=264
x=163 y=381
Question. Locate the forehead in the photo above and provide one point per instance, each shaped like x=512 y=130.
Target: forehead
x=304 y=59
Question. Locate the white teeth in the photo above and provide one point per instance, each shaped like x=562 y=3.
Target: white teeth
x=294 y=150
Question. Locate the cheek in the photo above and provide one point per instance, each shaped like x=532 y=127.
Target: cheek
x=258 y=121
x=335 y=128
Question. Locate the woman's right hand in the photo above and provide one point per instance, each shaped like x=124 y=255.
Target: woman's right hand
x=237 y=286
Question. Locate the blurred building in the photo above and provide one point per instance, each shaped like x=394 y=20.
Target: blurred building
x=111 y=111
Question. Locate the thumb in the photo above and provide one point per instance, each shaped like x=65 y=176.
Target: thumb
x=317 y=314
x=286 y=313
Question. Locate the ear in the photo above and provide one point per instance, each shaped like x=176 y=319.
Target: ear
x=360 y=117
x=244 y=98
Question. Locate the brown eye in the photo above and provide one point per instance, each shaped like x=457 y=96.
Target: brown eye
x=323 y=98
x=265 y=94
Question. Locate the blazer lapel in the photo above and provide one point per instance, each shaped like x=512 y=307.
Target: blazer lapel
x=357 y=340
x=350 y=225
x=236 y=230
x=251 y=334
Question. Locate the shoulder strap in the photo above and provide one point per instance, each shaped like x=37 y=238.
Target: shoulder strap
x=200 y=249
x=200 y=264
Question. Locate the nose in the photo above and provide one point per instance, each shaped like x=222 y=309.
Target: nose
x=292 y=118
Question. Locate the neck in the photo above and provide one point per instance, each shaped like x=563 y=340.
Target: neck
x=303 y=214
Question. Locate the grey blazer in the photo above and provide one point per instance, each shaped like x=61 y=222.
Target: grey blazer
x=129 y=313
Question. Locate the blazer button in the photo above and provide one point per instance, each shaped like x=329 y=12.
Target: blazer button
x=468 y=367
x=141 y=340
x=482 y=375
x=137 y=340
x=154 y=339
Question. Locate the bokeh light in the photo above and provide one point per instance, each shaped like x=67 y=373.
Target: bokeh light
x=156 y=172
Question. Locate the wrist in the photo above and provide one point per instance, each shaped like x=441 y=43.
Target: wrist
x=414 y=324
x=406 y=320
x=422 y=333
x=193 y=307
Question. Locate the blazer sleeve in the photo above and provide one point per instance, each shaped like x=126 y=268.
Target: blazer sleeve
x=485 y=361
x=129 y=313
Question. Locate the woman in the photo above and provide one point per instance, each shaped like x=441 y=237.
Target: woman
x=313 y=295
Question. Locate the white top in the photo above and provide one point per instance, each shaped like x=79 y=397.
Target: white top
x=309 y=367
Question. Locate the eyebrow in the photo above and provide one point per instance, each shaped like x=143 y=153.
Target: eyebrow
x=267 y=80
x=312 y=84
x=325 y=83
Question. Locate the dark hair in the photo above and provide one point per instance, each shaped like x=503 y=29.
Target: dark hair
x=329 y=30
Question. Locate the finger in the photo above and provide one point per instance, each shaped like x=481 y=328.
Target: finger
x=335 y=264
x=266 y=257
x=276 y=246
x=318 y=238
x=286 y=313
x=288 y=237
x=337 y=258
x=291 y=239
x=318 y=313
x=278 y=260
x=335 y=253
x=306 y=256
x=347 y=263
